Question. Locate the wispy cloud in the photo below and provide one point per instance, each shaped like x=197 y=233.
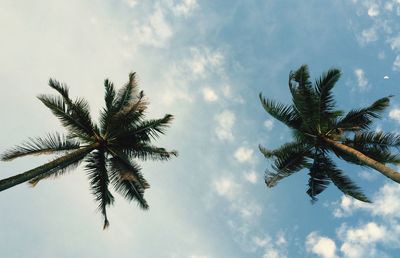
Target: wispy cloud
x=225 y=121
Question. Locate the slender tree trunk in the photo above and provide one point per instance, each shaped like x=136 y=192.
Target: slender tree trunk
x=386 y=171
x=51 y=166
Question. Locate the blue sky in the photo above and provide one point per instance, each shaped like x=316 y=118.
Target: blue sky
x=205 y=62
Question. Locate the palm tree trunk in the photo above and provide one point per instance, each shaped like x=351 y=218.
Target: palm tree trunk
x=386 y=171
x=58 y=163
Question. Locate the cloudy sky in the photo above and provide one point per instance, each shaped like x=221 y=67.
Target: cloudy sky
x=205 y=62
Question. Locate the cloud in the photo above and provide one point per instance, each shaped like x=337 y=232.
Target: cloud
x=185 y=8
x=272 y=248
x=367 y=175
x=370 y=237
x=269 y=124
x=243 y=154
x=373 y=10
x=368 y=36
x=321 y=246
x=226 y=187
x=251 y=177
x=362 y=81
x=209 y=95
x=396 y=64
x=205 y=60
x=361 y=241
x=395 y=114
x=156 y=31
x=225 y=121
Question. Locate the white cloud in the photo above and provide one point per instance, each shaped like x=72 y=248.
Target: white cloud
x=362 y=81
x=368 y=35
x=156 y=31
x=395 y=43
x=361 y=241
x=226 y=187
x=225 y=121
x=396 y=64
x=185 y=8
x=251 y=176
x=272 y=248
x=243 y=154
x=367 y=175
x=373 y=10
x=205 y=60
x=209 y=95
x=321 y=246
x=395 y=114
x=269 y=124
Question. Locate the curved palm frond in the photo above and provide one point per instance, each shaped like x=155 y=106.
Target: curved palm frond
x=128 y=180
x=50 y=144
x=319 y=179
x=376 y=139
x=361 y=119
x=75 y=120
x=304 y=97
x=342 y=182
x=146 y=152
x=287 y=160
x=284 y=113
x=144 y=131
x=97 y=171
x=323 y=88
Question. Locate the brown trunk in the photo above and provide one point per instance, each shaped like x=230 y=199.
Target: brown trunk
x=386 y=171
x=43 y=169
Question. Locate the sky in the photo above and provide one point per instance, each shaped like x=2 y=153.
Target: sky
x=205 y=62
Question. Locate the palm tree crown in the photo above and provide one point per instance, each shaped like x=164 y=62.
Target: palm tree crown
x=319 y=129
x=110 y=149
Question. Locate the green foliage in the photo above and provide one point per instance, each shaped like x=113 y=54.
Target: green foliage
x=109 y=150
x=314 y=119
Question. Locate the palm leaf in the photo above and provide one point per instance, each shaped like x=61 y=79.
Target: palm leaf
x=287 y=160
x=146 y=152
x=342 y=182
x=128 y=180
x=326 y=102
x=97 y=171
x=285 y=114
x=361 y=119
x=319 y=179
x=50 y=144
x=74 y=120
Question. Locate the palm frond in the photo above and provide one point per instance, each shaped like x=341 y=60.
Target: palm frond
x=376 y=139
x=304 y=97
x=146 y=152
x=287 y=160
x=52 y=143
x=128 y=180
x=76 y=120
x=59 y=171
x=319 y=179
x=361 y=119
x=285 y=114
x=323 y=88
x=342 y=182
x=99 y=180
x=109 y=96
x=126 y=94
x=60 y=88
x=144 y=131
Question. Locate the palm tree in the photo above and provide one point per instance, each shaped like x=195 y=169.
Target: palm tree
x=319 y=129
x=109 y=149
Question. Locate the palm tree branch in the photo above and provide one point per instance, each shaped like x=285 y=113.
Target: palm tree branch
x=97 y=170
x=52 y=143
